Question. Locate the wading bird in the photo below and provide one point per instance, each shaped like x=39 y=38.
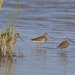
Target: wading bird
x=40 y=39
x=11 y=41
x=64 y=44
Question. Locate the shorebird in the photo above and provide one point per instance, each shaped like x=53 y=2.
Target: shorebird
x=11 y=41
x=64 y=44
x=40 y=39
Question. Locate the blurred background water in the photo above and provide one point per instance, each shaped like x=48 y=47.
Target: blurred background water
x=55 y=17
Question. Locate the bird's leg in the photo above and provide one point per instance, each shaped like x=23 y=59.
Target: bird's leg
x=40 y=45
x=37 y=46
x=64 y=49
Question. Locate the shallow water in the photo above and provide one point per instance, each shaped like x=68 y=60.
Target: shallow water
x=34 y=18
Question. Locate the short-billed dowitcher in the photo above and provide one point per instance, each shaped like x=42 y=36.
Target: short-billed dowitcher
x=40 y=39
x=64 y=44
x=13 y=39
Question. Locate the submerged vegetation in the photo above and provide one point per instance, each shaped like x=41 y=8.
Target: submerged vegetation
x=8 y=39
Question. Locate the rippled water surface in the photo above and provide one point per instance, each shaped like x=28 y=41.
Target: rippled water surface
x=35 y=17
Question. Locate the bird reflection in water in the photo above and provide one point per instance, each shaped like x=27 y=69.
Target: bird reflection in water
x=63 y=61
x=39 y=51
x=38 y=54
x=64 y=55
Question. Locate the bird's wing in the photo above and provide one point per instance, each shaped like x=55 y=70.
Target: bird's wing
x=64 y=44
x=38 y=38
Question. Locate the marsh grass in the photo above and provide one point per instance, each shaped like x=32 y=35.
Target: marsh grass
x=7 y=38
x=6 y=45
x=1 y=2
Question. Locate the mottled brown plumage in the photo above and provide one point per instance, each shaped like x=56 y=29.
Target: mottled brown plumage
x=12 y=40
x=64 y=44
x=40 y=39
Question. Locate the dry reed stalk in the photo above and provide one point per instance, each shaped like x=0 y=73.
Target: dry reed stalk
x=9 y=44
x=1 y=2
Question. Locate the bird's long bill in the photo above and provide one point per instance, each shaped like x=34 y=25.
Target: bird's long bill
x=21 y=38
x=71 y=41
x=50 y=36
